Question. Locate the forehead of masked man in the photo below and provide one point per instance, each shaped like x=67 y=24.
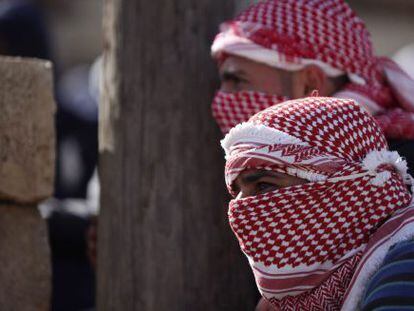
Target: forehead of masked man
x=310 y=138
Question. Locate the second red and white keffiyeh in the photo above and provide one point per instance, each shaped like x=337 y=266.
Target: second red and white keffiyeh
x=304 y=242
x=291 y=34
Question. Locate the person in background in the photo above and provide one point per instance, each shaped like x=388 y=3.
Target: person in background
x=405 y=58
x=72 y=211
x=280 y=49
x=322 y=209
x=23 y=30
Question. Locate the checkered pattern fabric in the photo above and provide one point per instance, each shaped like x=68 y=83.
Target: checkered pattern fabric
x=290 y=34
x=296 y=237
x=230 y=109
x=317 y=299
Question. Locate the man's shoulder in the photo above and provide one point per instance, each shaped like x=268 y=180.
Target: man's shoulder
x=392 y=286
x=379 y=264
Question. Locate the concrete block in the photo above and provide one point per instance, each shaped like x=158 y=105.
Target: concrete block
x=25 y=269
x=27 y=138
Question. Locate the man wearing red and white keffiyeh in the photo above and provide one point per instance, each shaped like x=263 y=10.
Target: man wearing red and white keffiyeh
x=286 y=48
x=319 y=201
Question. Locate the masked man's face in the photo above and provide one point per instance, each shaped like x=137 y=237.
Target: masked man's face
x=241 y=74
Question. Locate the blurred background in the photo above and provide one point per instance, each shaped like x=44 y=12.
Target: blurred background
x=69 y=32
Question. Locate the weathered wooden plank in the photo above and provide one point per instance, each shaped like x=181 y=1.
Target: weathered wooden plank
x=163 y=239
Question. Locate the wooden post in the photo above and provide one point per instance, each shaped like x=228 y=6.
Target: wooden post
x=164 y=242
x=26 y=177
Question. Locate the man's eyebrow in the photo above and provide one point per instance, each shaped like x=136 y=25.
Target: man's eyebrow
x=229 y=74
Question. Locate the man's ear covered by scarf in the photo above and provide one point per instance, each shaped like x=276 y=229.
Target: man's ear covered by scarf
x=291 y=34
x=303 y=242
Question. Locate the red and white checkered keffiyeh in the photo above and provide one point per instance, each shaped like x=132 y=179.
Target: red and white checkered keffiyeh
x=230 y=109
x=303 y=242
x=290 y=34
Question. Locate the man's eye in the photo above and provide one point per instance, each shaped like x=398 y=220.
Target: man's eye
x=263 y=187
x=236 y=80
x=227 y=77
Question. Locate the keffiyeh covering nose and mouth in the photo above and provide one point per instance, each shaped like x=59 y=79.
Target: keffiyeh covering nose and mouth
x=230 y=109
x=291 y=34
x=303 y=242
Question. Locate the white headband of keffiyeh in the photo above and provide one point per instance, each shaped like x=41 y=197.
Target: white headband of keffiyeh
x=261 y=134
